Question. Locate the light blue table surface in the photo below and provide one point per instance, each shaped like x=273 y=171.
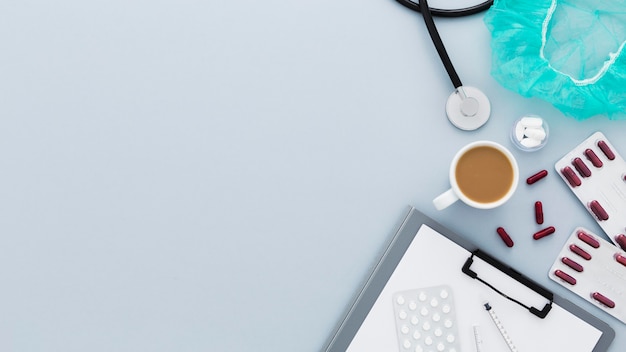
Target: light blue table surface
x=222 y=175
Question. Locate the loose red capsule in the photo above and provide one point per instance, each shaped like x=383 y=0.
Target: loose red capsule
x=603 y=299
x=536 y=177
x=565 y=277
x=620 y=259
x=598 y=210
x=581 y=252
x=588 y=239
x=539 y=212
x=606 y=150
x=572 y=264
x=571 y=177
x=543 y=233
x=621 y=240
x=591 y=155
x=505 y=237
x=581 y=167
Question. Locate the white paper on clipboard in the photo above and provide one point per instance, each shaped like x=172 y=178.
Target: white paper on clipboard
x=432 y=259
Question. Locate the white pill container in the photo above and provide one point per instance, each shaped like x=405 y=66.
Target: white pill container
x=530 y=133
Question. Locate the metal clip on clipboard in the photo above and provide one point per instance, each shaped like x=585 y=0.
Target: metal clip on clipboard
x=514 y=275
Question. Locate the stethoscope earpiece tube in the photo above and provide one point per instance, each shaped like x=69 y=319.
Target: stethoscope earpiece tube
x=434 y=35
x=449 y=12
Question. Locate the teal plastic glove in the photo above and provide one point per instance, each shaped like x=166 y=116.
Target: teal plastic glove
x=567 y=52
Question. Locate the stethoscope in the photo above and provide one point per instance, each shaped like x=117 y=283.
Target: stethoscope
x=468 y=108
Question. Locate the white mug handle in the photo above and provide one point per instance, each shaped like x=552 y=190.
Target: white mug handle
x=445 y=199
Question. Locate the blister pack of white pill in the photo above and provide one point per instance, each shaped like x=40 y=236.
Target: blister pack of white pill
x=426 y=320
x=596 y=173
x=593 y=269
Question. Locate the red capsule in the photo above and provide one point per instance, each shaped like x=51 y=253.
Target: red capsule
x=588 y=239
x=603 y=299
x=591 y=155
x=620 y=259
x=571 y=177
x=606 y=150
x=543 y=233
x=621 y=240
x=536 y=177
x=598 y=210
x=572 y=264
x=539 y=212
x=581 y=167
x=505 y=237
x=565 y=277
x=581 y=252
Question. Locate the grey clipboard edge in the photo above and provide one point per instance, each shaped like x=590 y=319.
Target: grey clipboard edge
x=351 y=322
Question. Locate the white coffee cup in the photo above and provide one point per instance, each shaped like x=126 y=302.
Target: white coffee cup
x=483 y=174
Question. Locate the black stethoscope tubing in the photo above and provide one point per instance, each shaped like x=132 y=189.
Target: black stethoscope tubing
x=428 y=13
x=471 y=10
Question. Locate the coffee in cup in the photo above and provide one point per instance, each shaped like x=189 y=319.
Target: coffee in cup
x=483 y=174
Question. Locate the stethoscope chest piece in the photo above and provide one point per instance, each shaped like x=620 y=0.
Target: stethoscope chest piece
x=468 y=108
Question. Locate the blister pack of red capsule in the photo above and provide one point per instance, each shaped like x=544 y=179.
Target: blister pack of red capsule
x=595 y=270
x=596 y=173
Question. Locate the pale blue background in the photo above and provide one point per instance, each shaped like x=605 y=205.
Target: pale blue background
x=222 y=175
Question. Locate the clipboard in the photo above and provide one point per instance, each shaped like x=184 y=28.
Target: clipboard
x=421 y=253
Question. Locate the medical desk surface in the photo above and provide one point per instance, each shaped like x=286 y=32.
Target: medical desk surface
x=222 y=175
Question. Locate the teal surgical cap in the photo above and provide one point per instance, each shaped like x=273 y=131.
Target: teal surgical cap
x=567 y=52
